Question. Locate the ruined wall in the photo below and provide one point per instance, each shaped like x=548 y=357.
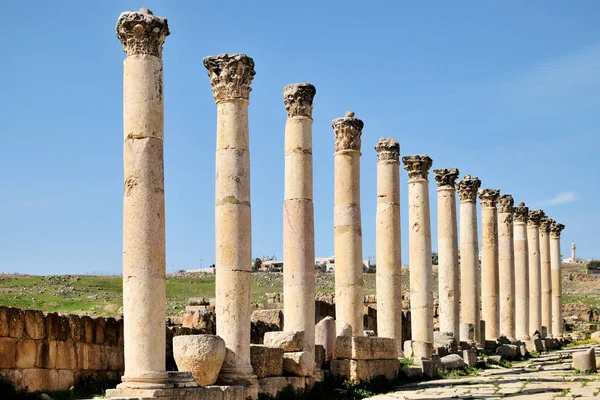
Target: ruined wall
x=54 y=351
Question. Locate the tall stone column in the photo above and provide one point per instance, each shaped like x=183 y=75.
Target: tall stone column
x=347 y=230
x=389 y=260
x=299 y=279
x=535 y=279
x=555 y=265
x=230 y=77
x=144 y=286
x=520 y=214
x=546 y=276
x=419 y=242
x=490 y=277
x=448 y=267
x=469 y=255
x=506 y=266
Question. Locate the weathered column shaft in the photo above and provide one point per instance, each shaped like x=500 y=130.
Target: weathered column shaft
x=144 y=286
x=469 y=255
x=299 y=279
x=521 y=272
x=546 y=276
x=419 y=241
x=555 y=265
x=349 y=291
x=490 y=284
x=448 y=267
x=230 y=76
x=506 y=266
x=388 y=245
x=535 y=280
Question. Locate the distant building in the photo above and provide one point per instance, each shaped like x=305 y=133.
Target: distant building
x=573 y=259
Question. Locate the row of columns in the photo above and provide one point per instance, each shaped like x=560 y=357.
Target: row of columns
x=520 y=271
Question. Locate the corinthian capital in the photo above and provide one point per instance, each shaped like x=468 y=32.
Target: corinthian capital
x=534 y=217
x=298 y=99
x=546 y=224
x=417 y=166
x=140 y=32
x=230 y=75
x=489 y=197
x=446 y=177
x=347 y=131
x=388 y=149
x=556 y=229
x=468 y=187
x=505 y=203
x=521 y=212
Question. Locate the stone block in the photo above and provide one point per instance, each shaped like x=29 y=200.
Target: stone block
x=57 y=327
x=35 y=379
x=595 y=336
x=46 y=354
x=66 y=379
x=585 y=361
x=115 y=358
x=100 y=330
x=318 y=375
x=467 y=332
x=343 y=329
x=202 y=355
x=16 y=323
x=534 y=345
x=444 y=343
x=89 y=327
x=470 y=357
x=364 y=370
x=96 y=358
x=287 y=340
x=494 y=359
x=65 y=355
x=427 y=367
x=35 y=324
x=325 y=336
x=272 y=385
x=77 y=328
x=452 y=361
x=272 y=317
x=509 y=351
x=4 y=328
x=365 y=348
x=8 y=352
x=412 y=372
x=319 y=356
x=111 y=336
x=298 y=363
x=266 y=361
x=26 y=352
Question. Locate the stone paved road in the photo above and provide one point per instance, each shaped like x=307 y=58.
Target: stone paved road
x=544 y=378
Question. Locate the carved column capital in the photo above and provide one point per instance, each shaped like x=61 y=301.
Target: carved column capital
x=388 y=149
x=347 y=131
x=556 y=229
x=534 y=217
x=298 y=99
x=521 y=212
x=417 y=166
x=468 y=187
x=446 y=177
x=230 y=76
x=505 y=203
x=546 y=224
x=489 y=197
x=141 y=32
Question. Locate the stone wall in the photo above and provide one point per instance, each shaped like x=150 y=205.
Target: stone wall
x=54 y=352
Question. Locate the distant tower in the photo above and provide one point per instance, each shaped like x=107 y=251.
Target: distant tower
x=573 y=247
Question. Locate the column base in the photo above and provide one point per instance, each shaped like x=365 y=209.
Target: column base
x=238 y=376
x=146 y=380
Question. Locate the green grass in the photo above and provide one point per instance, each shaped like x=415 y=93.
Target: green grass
x=577 y=343
x=457 y=373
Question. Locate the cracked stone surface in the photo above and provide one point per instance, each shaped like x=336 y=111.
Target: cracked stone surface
x=548 y=377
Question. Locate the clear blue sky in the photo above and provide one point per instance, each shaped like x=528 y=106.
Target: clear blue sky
x=507 y=91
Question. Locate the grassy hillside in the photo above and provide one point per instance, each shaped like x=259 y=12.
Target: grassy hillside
x=102 y=295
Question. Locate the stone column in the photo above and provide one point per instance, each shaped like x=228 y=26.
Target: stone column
x=230 y=77
x=419 y=241
x=347 y=229
x=506 y=266
x=388 y=245
x=490 y=278
x=144 y=264
x=546 y=276
x=448 y=267
x=555 y=265
x=299 y=279
x=535 y=281
x=520 y=213
x=469 y=255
